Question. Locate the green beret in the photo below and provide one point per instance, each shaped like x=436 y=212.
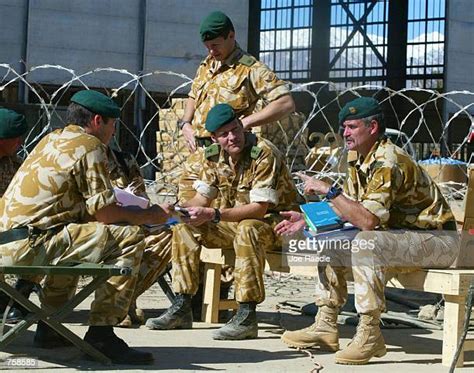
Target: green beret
x=214 y=25
x=12 y=124
x=218 y=116
x=359 y=108
x=97 y=102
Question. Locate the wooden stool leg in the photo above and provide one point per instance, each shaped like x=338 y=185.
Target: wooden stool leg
x=454 y=310
x=211 y=292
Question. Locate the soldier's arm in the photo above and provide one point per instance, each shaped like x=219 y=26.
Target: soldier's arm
x=187 y=129
x=256 y=210
x=274 y=111
x=350 y=210
x=112 y=214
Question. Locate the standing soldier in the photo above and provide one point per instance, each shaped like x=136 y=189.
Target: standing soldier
x=254 y=184
x=228 y=75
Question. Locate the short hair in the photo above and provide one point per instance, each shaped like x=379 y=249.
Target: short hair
x=380 y=120
x=77 y=114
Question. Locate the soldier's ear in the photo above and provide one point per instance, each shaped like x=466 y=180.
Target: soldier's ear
x=213 y=138
x=374 y=127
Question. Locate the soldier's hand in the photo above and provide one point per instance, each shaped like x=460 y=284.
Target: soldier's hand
x=313 y=186
x=294 y=222
x=188 y=134
x=199 y=215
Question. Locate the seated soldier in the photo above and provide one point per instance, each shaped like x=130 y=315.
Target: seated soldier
x=12 y=127
x=124 y=172
x=254 y=184
x=405 y=223
x=45 y=209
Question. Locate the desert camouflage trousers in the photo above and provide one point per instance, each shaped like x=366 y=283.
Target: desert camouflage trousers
x=59 y=289
x=249 y=238
x=375 y=257
x=86 y=243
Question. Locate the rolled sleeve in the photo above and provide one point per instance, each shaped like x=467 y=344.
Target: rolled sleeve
x=205 y=189
x=98 y=201
x=264 y=195
x=378 y=210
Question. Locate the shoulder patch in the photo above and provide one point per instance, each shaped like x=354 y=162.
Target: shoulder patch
x=247 y=60
x=212 y=150
x=255 y=152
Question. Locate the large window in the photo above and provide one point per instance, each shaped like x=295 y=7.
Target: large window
x=425 y=44
x=285 y=37
x=348 y=43
x=358 y=42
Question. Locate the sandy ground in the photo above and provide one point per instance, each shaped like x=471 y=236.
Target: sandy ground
x=409 y=350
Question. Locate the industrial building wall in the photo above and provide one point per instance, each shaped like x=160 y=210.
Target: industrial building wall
x=460 y=51
x=86 y=34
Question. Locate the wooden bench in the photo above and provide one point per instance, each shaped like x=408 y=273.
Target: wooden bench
x=452 y=283
x=53 y=318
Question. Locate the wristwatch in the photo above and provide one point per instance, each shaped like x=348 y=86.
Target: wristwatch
x=333 y=192
x=180 y=123
x=217 y=216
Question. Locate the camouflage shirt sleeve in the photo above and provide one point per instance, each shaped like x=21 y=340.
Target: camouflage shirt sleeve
x=93 y=181
x=197 y=81
x=207 y=184
x=265 y=179
x=266 y=84
x=381 y=190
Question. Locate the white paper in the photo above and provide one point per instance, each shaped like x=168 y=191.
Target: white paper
x=125 y=198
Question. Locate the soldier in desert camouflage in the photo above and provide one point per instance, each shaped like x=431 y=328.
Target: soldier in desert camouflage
x=253 y=184
x=12 y=127
x=60 y=208
x=405 y=223
x=229 y=75
x=125 y=173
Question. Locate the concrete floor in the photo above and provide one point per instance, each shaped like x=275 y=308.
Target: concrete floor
x=409 y=350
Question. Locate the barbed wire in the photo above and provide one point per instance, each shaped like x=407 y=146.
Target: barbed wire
x=324 y=158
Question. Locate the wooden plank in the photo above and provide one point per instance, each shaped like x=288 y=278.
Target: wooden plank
x=440 y=281
x=211 y=295
x=228 y=304
x=454 y=310
x=469 y=344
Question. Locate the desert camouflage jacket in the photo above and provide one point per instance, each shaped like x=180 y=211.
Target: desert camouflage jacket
x=125 y=172
x=260 y=175
x=239 y=81
x=392 y=186
x=63 y=179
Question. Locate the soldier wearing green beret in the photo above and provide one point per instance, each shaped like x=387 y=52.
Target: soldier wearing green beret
x=254 y=185
x=12 y=127
x=230 y=75
x=405 y=224
x=61 y=202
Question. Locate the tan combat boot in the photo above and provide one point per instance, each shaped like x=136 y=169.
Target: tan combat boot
x=135 y=316
x=367 y=343
x=322 y=333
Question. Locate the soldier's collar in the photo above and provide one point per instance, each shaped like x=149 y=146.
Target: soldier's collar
x=234 y=56
x=364 y=164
